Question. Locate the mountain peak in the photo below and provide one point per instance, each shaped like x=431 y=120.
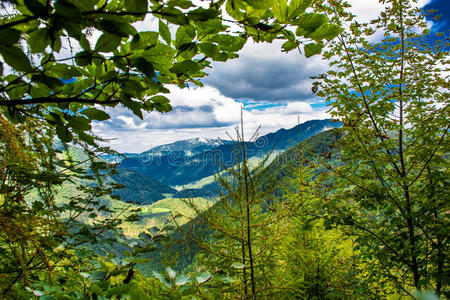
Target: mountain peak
x=202 y=140
x=188 y=147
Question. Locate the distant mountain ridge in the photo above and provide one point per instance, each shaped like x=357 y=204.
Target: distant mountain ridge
x=182 y=162
x=189 y=147
x=284 y=139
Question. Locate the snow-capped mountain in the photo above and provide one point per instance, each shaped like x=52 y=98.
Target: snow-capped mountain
x=187 y=147
x=183 y=148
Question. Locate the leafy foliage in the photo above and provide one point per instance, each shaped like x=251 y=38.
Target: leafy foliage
x=63 y=65
x=389 y=190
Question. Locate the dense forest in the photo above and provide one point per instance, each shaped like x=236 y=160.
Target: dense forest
x=360 y=211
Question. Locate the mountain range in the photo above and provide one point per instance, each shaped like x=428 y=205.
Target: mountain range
x=188 y=147
x=187 y=161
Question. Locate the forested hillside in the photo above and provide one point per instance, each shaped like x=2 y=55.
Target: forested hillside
x=183 y=248
x=139 y=188
x=352 y=206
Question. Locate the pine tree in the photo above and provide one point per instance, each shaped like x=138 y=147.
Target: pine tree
x=246 y=224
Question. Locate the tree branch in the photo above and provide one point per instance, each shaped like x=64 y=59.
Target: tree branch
x=42 y=100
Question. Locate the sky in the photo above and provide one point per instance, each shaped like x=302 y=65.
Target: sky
x=274 y=89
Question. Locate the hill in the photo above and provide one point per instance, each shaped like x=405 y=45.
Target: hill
x=140 y=188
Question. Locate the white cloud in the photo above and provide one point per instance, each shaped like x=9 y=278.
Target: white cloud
x=197 y=112
x=298 y=108
x=263 y=72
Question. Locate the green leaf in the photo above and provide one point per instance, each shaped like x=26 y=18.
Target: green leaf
x=56 y=43
x=84 y=43
x=97 y=275
x=9 y=36
x=210 y=27
x=63 y=134
x=183 y=36
x=144 y=40
x=49 y=81
x=326 y=31
x=161 y=103
x=234 y=9
x=221 y=56
x=120 y=28
x=87 y=138
x=145 y=236
x=107 y=42
x=39 y=40
x=95 y=288
x=83 y=58
x=133 y=87
x=85 y=5
x=118 y=290
x=15 y=57
x=203 y=277
x=67 y=10
x=202 y=14
x=312 y=49
x=228 y=42
x=308 y=23
x=174 y=16
x=80 y=123
x=186 y=67
x=280 y=10
x=165 y=32
x=139 y=6
x=260 y=4
x=134 y=106
x=145 y=66
x=180 y=3
x=162 y=279
x=237 y=265
x=188 y=50
x=64 y=71
x=159 y=55
x=36 y=7
x=209 y=49
x=297 y=7
x=181 y=280
x=109 y=76
x=289 y=45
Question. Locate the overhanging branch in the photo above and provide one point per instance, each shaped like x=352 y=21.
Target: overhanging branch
x=43 y=100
